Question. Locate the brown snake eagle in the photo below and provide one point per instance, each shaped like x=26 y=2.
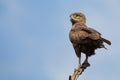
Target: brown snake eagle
x=84 y=39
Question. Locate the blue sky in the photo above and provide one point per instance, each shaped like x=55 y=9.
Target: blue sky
x=34 y=42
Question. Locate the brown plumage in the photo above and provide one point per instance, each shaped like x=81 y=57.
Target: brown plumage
x=83 y=38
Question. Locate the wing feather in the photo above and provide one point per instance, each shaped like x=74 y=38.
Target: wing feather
x=78 y=33
x=93 y=34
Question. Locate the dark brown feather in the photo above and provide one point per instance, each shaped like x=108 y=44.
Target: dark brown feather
x=106 y=41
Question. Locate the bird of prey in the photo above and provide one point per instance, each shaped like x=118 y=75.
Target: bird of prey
x=84 y=39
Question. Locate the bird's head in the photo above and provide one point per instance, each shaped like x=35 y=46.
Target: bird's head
x=78 y=18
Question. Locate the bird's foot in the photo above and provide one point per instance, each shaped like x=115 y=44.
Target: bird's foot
x=85 y=65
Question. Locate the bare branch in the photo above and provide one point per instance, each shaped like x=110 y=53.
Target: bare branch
x=77 y=72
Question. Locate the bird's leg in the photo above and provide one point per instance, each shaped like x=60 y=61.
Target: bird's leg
x=78 y=52
x=79 y=59
x=85 y=63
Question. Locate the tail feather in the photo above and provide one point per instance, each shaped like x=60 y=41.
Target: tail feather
x=106 y=41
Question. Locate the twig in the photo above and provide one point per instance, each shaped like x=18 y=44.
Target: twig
x=77 y=72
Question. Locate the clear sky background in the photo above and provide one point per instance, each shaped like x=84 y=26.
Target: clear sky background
x=34 y=42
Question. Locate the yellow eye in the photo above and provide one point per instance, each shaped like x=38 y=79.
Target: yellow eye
x=78 y=17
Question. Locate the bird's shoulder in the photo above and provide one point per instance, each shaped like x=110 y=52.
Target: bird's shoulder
x=83 y=32
x=92 y=30
x=83 y=27
x=77 y=34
